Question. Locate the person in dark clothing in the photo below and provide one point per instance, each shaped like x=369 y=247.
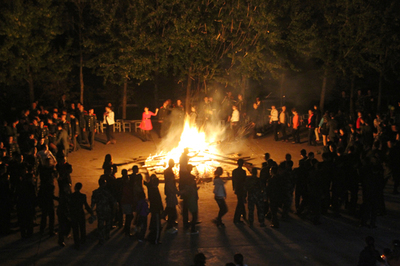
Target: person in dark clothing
x=372 y=184
x=91 y=127
x=301 y=193
x=170 y=192
x=127 y=201
x=142 y=211
x=5 y=200
x=46 y=203
x=238 y=183
x=64 y=170
x=219 y=196
x=369 y=256
x=62 y=142
x=256 y=196
x=108 y=165
x=275 y=196
x=339 y=182
x=163 y=119
x=156 y=209
x=264 y=179
x=26 y=203
x=188 y=191
x=311 y=127
x=352 y=179
x=77 y=201
x=64 y=222
x=104 y=203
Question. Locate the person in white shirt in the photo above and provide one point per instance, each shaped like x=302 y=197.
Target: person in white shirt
x=45 y=153
x=274 y=121
x=234 y=119
x=108 y=120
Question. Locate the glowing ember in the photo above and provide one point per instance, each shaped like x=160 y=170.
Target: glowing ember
x=203 y=153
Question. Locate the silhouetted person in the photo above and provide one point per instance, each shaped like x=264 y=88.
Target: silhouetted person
x=77 y=201
x=238 y=183
x=104 y=203
x=156 y=209
x=369 y=256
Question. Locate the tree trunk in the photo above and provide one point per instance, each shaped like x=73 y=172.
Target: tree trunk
x=156 y=90
x=245 y=85
x=31 y=87
x=188 y=90
x=124 y=98
x=352 y=96
x=81 y=77
x=323 y=91
x=281 y=88
x=380 y=91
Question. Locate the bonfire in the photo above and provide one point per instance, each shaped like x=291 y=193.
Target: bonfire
x=204 y=153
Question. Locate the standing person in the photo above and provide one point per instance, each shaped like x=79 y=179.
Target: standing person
x=295 y=126
x=46 y=203
x=80 y=116
x=75 y=131
x=284 y=122
x=192 y=197
x=62 y=142
x=301 y=194
x=64 y=170
x=183 y=182
x=90 y=129
x=26 y=203
x=255 y=197
x=220 y=196
x=323 y=129
x=108 y=119
x=170 y=192
x=275 y=195
x=256 y=120
x=156 y=209
x=104 y=203
x=311 y=127
x=238 y=183
x=163 y=119
x=108 y=166
x=317 y=114
x=369 y=255
x=77 y=201
x=146 y=125
x=142 y=210
x=127 y=201
x=234 y=120
x=273 y=120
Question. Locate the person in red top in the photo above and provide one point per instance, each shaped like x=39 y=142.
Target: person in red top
x=146 y=125
x=359 y=122
x=295 y=126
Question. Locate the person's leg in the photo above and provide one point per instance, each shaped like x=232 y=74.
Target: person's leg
x=51 y=220
x=185 y=213
x=128 y=221
x=194 y=221
x=250 y=206
x=43 y=220
x=316 y=134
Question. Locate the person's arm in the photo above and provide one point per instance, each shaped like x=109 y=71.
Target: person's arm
x=87 y=207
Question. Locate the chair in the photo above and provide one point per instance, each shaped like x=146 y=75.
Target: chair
x=117 y=125
x=137 y=124
x=126 y=125
x=100 y=126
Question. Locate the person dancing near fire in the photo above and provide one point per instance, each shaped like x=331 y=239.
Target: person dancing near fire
x=146 y=125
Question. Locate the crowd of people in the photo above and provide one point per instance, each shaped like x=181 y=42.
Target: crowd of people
x=359 y=153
